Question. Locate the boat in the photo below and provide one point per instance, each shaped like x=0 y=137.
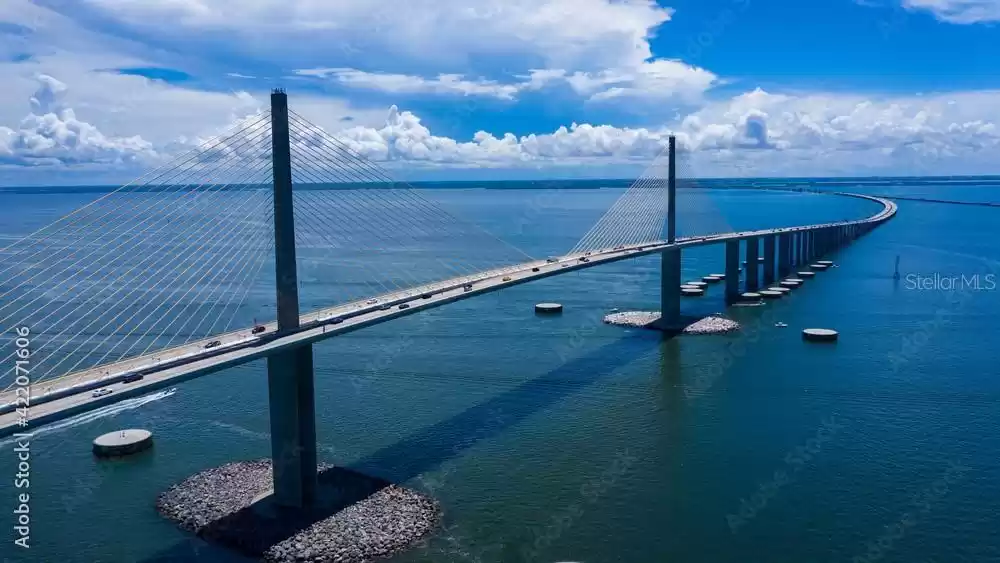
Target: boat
x=780 y=325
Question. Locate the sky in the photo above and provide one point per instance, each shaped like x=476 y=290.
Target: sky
x=100 y=91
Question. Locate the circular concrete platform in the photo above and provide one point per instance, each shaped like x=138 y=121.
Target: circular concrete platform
x=750 y=296
x=825 y=262
x=805 y=274
x=768 y=294
x=689 y=286
x=800 y=280
x=819 y=335
x=693 y=292
x=548 y=308
x=781 y=290
x=122 y=442
x=791 y=284
x=711 y=279
x=720 y=276
x=818 y=266
x=698 y=284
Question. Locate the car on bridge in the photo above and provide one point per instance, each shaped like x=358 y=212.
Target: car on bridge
x=426 y=296
x=467 y=287
x=534 y=269
x=336 y=320
x=404 y=306
x=551 y=260
x=213 y=344
x=258 y=329
x=506 y=278
x=371 y=302
x=584 y=259
x=385 y=307
x=620 y=247
x=101 y=392
x=132 y=377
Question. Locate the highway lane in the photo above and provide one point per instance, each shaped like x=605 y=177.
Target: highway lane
x=166 y=368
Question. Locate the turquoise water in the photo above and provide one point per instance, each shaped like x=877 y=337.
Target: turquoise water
x=562 y=439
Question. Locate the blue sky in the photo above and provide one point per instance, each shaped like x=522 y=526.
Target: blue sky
x=100 y=90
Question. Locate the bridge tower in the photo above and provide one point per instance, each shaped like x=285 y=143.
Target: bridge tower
x=290 y=372
x=670 y=260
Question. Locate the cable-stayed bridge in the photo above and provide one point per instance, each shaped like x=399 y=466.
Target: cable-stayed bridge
x=147 y=286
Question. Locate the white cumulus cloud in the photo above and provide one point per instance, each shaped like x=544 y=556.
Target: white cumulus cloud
x=52 y=134
x=408 y=84
x=959 y=11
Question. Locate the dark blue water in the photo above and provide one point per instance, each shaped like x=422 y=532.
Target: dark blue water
x=562 y=439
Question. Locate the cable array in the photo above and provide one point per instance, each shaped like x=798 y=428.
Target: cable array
x=160 y=261
x=372 y=234
x=174 y=257
x=638 y=216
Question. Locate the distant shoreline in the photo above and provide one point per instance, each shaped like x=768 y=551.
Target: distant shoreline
x=979 y=181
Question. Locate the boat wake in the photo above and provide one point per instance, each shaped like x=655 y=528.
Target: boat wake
x=103 y=412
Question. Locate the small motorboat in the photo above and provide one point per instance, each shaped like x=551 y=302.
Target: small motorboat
x=780 y=325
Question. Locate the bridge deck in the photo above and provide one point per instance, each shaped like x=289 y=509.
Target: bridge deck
x=71 y=394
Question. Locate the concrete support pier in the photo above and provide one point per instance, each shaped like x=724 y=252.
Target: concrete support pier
x=732 y=271
x=784 y=252
x=768 y=260
x=670 y=288
x=293 y=426
x=753 y=261
x=291 y=394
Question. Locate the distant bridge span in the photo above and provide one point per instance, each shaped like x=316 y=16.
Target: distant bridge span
x=169 y=367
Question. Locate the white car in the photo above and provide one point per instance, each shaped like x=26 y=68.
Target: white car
x=101 y=392
x=371 y=302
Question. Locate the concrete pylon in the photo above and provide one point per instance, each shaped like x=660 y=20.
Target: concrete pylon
x=769 y=260
x=784 y=254
x=291 y=396
x=670 y=260
x=732 y=271
x=753 y=250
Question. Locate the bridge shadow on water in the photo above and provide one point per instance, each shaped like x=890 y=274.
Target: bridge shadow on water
x=434 y=445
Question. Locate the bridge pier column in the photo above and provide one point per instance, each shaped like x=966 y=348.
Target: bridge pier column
x=769 y=241
x=753 y=276
x=784 y=254
x=812 y=245
x=293 y=426
x=802 y=247
x=732 y=271
x=670 y=288
x=291 y=396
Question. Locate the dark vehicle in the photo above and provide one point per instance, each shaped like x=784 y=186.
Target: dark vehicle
x=551 y=260
x=404 y=306
x=426 y=296
x=585 y=259
x=132 y=377
x=467 y=287
x=385 y=307
x=618 y=247
x=337 y=321
x=534 y=269
x=258 y=329
x=213 y=344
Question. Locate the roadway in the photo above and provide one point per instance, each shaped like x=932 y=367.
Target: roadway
x=73 y=393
